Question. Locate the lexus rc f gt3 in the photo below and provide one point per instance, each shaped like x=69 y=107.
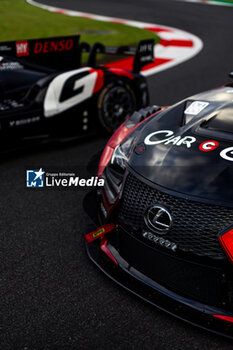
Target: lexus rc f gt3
x=167 y=208
x=45 y=93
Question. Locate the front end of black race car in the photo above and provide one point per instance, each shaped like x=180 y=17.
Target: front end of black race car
x=166 y=210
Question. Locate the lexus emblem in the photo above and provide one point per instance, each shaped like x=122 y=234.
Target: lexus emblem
x=158 y=219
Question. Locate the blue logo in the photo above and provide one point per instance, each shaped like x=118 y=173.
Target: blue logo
x=35 y=178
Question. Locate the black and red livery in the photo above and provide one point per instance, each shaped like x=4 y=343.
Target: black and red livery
x=169 y=195
x=46 y=93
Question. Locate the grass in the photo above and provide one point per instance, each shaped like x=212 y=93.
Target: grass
x=19 y=20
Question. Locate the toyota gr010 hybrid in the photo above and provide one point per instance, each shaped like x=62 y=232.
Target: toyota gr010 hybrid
x=45 y=92
x=166 y=208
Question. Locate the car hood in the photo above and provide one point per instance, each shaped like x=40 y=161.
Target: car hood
x=188 y=148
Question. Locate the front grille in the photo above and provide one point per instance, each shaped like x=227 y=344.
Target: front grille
x=195 y=225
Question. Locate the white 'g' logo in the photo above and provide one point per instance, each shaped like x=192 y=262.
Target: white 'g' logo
x=81 y=90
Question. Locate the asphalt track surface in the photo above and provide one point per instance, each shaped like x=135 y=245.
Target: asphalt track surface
x=51 y=295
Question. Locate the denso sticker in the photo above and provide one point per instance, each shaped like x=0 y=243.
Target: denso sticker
x=196 y=107
x=208 y=145
x=169 y=137
x=53 y=46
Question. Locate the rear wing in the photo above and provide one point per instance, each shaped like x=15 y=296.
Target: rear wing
x=57 y=53
x=143 y=53
x=65 y=52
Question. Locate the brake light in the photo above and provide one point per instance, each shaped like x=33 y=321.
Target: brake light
x=224 y=318
x=226 y=241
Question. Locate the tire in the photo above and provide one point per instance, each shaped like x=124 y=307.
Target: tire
x=116 y=103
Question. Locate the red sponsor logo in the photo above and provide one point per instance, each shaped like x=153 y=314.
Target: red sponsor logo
x=22 y=48
x=53 y=46
x=208 y=146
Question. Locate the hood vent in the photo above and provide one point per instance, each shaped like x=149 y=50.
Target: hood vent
x=220 y=125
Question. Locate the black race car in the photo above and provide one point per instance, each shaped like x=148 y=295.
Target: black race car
x=46 y=93
x=167 y=208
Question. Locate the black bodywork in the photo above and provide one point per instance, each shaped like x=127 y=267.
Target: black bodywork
x=29 y=68
x=181 y=160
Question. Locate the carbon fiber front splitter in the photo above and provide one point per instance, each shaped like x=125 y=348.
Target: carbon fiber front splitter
x=193 y=312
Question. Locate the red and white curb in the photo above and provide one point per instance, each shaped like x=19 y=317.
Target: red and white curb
x=207 y=2
x=175 y=46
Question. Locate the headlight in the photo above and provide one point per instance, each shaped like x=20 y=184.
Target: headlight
x=122 y=152
x=114 y=171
